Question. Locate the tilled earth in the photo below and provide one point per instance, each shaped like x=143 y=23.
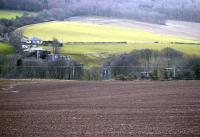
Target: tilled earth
x=95 y=109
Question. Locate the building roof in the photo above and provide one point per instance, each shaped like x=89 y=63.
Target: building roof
x=37 y=49
x=35 y=38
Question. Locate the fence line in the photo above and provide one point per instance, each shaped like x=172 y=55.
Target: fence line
x=98 y=73
x=102 y=66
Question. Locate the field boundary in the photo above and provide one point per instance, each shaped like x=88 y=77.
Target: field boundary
x=96 y=43
x=125 y=43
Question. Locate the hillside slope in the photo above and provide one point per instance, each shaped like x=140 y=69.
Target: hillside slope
x=189 y=30
x=88 y=32
x=92 y=29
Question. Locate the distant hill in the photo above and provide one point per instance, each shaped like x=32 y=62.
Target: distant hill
x=155 y=11
x=95 y=54
x=189 y=30
x=88 y=32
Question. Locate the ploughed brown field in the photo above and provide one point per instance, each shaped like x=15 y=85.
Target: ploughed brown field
x=100 y=109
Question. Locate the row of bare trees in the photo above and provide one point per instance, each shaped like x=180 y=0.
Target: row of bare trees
x=156 y=65
x=177 y=64
x=14 y=66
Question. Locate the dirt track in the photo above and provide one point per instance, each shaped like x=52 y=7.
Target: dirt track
x=112 y=109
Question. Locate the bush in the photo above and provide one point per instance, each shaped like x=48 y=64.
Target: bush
x=156 y=62
x=194 y=63
x=129 y=77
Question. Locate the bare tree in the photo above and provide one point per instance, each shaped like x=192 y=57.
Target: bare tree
x=56 y=46
x=15 y=41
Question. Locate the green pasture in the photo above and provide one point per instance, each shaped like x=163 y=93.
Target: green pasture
x=95 y=55
x=6 y=49
x=12 y=14
x=86 y=32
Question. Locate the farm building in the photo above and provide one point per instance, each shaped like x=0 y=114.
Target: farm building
x=32 y=41
x=29 y=45
x=37 y=52
x=106 y=73
x=146 y=75
x=55 y=57
x=170 y=72
x=31 y=48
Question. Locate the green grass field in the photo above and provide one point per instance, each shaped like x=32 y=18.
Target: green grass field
x=96 y=55
x=9 y=14
x=85 y=32
x=6 y=49
x=12 y=14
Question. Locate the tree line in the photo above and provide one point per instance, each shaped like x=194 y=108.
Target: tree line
x=154 y=11
x=15 y=66
x=164 y=64
x=139 y=64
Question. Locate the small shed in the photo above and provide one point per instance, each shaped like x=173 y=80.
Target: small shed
x=146 y=75
x=170 y=72
x=31 y=41
x=35 y=40
x=55 y=57
x=106 y=73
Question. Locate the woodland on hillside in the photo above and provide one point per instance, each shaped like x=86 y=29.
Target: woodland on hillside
x=156 y=11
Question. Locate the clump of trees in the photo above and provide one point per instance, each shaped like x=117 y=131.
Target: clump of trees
x=15 y=66
x=56 y=46
x=27 y=65
x=29 y=5
x=15 y=40
x=159 y=64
